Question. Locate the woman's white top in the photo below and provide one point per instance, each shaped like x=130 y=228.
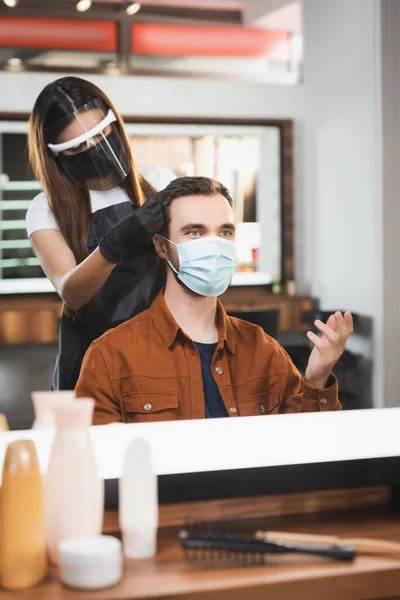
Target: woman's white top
x=40 y=216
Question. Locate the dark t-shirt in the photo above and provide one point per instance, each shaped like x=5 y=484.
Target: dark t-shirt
x=215 y=406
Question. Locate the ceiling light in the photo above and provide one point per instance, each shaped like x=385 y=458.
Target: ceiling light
x=133 y=8
x=83 y=5
x=14 y=62
x=11 y=3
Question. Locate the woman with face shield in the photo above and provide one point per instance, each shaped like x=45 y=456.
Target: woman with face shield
x=93 y=224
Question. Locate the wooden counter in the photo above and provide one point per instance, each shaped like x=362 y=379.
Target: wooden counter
x=29 y=319
x=291 y=577
x=34 y=319
x=260 y=297
x=282 y=578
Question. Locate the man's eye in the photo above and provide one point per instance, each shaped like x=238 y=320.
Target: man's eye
x=227 y=233
x=194 y=233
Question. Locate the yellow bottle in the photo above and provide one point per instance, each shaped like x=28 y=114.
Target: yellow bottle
x=23 y=562
x=3 y=423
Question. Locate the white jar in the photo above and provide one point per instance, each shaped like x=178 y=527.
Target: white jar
x=90 y=563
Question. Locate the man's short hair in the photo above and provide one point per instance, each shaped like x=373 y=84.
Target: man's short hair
x=189 y=186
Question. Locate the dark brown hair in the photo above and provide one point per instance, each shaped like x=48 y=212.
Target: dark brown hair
x=69 y=202
x=189 y=186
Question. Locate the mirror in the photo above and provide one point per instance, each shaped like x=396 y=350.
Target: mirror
x=253 y=161
x=232 y=154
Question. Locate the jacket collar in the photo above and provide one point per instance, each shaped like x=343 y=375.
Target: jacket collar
x=169 y=328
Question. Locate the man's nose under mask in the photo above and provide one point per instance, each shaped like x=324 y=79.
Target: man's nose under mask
x=206 y=265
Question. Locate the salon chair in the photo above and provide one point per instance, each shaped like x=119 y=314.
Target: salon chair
x=23 y=369
x=266 y=319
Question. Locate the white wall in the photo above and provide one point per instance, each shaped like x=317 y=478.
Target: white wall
x=152 y=96
x=342 y=164
x=389 y=322
x=341 y=229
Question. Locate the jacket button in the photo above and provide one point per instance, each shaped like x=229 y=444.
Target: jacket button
x=219 y=370
x=148 y=406
x=323 y=401
x=233 y=410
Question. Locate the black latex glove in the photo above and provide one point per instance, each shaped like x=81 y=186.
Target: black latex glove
x=135 y=230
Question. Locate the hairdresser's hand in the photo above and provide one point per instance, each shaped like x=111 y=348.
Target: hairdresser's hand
x=328 y=348
x=135 y=230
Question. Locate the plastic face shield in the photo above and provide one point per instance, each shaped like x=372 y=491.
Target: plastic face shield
x=88 y=146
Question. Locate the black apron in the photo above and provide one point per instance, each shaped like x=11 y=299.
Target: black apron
x=130 y=289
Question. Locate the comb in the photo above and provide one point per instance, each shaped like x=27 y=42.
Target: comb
x=213 y=540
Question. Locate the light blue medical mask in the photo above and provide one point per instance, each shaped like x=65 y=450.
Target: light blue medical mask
x=206 y=265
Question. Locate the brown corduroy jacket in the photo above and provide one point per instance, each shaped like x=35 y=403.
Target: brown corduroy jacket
x=148 y=369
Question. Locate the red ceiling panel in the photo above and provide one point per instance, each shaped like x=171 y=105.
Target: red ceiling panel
x=188 y=40
x=58 y=34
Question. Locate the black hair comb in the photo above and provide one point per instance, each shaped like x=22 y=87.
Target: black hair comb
x=218 y=540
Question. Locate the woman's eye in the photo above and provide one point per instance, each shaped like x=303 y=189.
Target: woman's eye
x=78 y=149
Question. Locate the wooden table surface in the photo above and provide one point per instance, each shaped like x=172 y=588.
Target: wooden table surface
x=283 y=577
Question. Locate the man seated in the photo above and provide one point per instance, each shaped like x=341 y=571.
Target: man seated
x=184 y=357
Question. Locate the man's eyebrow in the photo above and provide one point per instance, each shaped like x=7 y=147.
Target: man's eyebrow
x=230 y=226
x=191 y=226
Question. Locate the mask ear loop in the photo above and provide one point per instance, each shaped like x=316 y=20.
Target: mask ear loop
x=168 y=261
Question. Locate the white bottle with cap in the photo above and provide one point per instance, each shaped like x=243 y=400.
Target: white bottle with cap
x=138 y=502
x=74 y=491
x=45 y=403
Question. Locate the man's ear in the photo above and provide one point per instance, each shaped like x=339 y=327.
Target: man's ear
x=161 y=246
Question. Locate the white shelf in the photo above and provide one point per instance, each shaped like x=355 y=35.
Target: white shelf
x=41 y=285
x=251 y=279
x=309 y=438
x=36 y=285
x=20 y=186
x=19 y=263
x=14 y=244
x=15 y=204
x=12 y=225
